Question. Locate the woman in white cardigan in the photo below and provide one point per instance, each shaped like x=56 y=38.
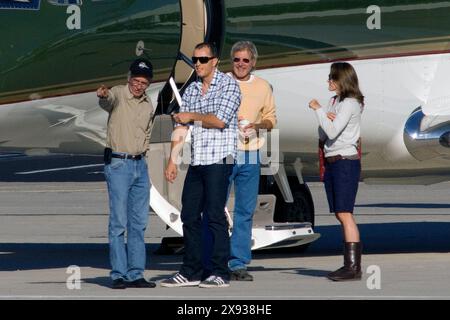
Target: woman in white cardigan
x=339 y=133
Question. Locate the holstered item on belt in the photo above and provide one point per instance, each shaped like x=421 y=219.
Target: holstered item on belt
x=107 y=155
x=333 y=159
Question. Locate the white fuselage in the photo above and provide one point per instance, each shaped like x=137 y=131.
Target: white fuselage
x=393 y=88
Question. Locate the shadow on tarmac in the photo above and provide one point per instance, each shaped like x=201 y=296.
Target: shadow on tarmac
x=378 y=238
x=51 y=168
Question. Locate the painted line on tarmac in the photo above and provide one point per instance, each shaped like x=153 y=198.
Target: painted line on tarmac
x=60 y=169
x=50 y=190
x=212 y=298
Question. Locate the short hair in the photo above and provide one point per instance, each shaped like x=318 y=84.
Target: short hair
x=244 y=45
x=212 y=48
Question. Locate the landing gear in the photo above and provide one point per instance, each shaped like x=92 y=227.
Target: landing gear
x=300 y=210
x=170 y=245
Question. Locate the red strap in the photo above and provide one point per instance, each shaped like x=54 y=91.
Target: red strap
x=321 y=162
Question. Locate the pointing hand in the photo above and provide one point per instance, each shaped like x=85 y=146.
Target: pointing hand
x=102 y=92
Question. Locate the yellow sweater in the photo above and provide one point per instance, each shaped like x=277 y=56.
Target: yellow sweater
x=257 y=104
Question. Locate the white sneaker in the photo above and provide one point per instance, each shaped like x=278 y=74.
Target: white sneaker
x=214 y=282
x=178 y=280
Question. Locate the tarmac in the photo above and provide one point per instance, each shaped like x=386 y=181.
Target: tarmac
x=54 y=245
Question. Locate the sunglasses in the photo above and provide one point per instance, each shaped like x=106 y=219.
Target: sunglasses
x=245 y=60
x=202 y=60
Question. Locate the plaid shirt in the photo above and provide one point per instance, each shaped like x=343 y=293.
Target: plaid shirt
x=209 y=146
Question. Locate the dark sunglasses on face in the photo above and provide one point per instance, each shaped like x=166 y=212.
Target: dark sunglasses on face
x=245 y=60
x=202 y=60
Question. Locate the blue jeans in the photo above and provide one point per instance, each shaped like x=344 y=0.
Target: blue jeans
x=245 y=175
x=205 y=190
x=128 y=190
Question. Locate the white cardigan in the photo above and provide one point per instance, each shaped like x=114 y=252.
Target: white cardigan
x=342 y=134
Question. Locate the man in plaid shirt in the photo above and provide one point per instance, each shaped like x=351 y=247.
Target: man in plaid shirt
x=210 y=105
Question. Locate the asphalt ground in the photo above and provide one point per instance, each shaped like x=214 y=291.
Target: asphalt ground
x=53 y=227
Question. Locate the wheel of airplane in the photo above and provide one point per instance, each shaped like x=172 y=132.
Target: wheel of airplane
x=301 y=210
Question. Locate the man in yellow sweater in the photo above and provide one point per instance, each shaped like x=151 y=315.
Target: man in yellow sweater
x=256 y=112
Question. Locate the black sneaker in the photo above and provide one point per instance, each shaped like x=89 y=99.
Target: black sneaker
x=214 y=282
x=118 y=284
x=241 y=275
x=141 y=283
x=179 y=280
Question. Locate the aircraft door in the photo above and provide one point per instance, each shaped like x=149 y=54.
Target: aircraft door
x=196 y=27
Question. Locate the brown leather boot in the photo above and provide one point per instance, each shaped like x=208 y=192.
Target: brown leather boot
x=352 y=263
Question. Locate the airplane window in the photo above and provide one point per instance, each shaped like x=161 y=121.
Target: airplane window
x=19 y=4
x=69 y=2
x=65 y=2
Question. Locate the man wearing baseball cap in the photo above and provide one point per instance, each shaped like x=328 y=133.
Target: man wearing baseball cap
x=128 y=135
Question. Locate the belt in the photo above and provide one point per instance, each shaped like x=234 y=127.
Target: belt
x=333 y=159
x=127 y=156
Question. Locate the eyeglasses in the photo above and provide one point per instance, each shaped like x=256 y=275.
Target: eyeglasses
x=202 y=60
x=138 y=83
x=329 y=78
x=245 y=60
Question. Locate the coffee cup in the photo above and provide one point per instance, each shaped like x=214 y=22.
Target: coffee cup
x=243 y=123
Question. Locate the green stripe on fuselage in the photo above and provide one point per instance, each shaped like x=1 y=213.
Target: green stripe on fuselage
x=39 y=55
x=290 y=32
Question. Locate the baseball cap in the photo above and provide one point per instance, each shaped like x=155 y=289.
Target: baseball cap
x=141 y=67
